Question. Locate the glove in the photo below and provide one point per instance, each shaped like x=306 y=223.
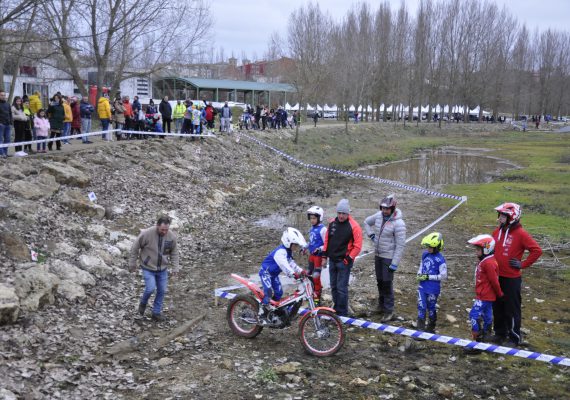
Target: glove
x=303 y=251
x=372 y=236
x=393 y=268
x=316 y=274
x=299 y=275
x=317 y=252
x=347 y=260
x=421 y=278
x=513 y=262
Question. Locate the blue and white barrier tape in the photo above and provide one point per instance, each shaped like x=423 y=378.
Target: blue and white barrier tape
x=86 y=135
x=491 y=348
x=352 y=174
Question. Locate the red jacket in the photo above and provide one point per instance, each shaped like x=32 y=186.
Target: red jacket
x=75 y=111
x=511 y=242
x=354 y=244
x=487 y=286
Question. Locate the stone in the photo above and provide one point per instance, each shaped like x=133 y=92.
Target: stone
x=14 y=246
x=94 y=265
x=70 y=290
x=426 y=368
x=445 y=391
x=98 y=231
x=78 y=202
x=35 y=287
x=63 y=248
x=287 y=368
x=67 y=271
x=9 y=304
x=358 y=382
x=66 y=174
x=164 y=361
x=450 y=318
x=5 y=394
x=125 y=245
x=37 y=187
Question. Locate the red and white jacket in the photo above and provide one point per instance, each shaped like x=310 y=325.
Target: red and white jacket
x=487 y=286
x=511 y=242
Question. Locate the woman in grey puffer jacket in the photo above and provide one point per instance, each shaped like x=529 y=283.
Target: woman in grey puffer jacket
x=387 y=230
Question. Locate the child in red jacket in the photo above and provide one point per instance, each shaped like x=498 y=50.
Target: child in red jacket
x=487 y=288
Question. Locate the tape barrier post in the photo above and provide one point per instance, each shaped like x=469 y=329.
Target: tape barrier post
x=491 y=348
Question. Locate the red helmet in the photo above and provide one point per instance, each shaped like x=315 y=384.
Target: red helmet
x=486 y=242
x=511 y=210
x=388 y=202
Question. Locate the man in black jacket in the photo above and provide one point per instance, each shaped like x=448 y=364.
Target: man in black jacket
x=5 y=123
x=165 y=110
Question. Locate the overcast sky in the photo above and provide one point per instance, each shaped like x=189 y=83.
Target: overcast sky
x=247 y=25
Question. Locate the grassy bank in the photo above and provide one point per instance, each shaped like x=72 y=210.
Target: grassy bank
x=541 y=186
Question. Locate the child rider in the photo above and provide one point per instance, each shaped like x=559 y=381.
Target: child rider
x=432 y=271
x=280 y=259
x=487 y=288
x=317 y=235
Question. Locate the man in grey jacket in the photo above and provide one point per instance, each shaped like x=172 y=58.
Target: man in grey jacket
x=387 y=230
x=156 y=249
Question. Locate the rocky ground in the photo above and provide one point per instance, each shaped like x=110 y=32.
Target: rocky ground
x=70 y=329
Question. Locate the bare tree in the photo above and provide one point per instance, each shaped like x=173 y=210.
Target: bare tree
x=125 y=37
x=308 y=31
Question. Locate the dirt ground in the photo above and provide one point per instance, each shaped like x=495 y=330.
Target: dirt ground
x=219 y=189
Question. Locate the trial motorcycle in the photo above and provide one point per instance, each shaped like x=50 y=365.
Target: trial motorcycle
x=320 y=331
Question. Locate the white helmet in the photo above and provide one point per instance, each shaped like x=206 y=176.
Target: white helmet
x=318 y=211
x=486 y=242
x=293 y=236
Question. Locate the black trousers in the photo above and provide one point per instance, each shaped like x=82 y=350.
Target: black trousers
x=19 y=132
x=384 y=280
x=167 y=122
x=507 y=311
x=55 y=133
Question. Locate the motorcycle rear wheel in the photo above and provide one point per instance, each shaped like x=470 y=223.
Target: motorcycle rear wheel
x=242 y=316
x=321 y=334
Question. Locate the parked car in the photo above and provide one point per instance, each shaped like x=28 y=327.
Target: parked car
x=329 y=114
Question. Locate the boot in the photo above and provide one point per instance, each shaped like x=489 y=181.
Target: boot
x=476 y=338
x=421 y=325
x=142 y=308
x=431 y=325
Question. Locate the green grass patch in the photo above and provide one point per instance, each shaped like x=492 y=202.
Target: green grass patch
x=541 y=186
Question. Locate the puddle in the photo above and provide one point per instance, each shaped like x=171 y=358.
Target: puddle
x=435 y=168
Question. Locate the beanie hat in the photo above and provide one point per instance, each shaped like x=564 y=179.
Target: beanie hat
x=343 y=207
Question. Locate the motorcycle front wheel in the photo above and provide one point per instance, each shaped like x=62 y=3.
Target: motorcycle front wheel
x=321 y=334
x=242 y=316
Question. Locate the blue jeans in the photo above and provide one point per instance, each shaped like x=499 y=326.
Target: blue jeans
x=339 y=275
x=85 y=128
x=66 y=131
x=104 y=127
x=427 y=301
x=481 y=309
x=5 y=132
x=154 y=280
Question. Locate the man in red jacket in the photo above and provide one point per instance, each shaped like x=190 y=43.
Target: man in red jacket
x=511 y=243
x=343 y=243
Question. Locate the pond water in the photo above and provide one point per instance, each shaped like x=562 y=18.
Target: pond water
x=431 y=169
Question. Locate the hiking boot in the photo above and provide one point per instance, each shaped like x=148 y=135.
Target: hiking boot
x=158 y=318
x=431 y=326
x=388 y=317
x=378 y=310
x=142 y=308
x=421 y=325
x=498 y=339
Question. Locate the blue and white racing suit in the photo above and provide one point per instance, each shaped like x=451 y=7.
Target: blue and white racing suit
x=280 y=259
x=434 y=266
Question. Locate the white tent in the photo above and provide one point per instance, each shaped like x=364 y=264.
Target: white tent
x=309 y=108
